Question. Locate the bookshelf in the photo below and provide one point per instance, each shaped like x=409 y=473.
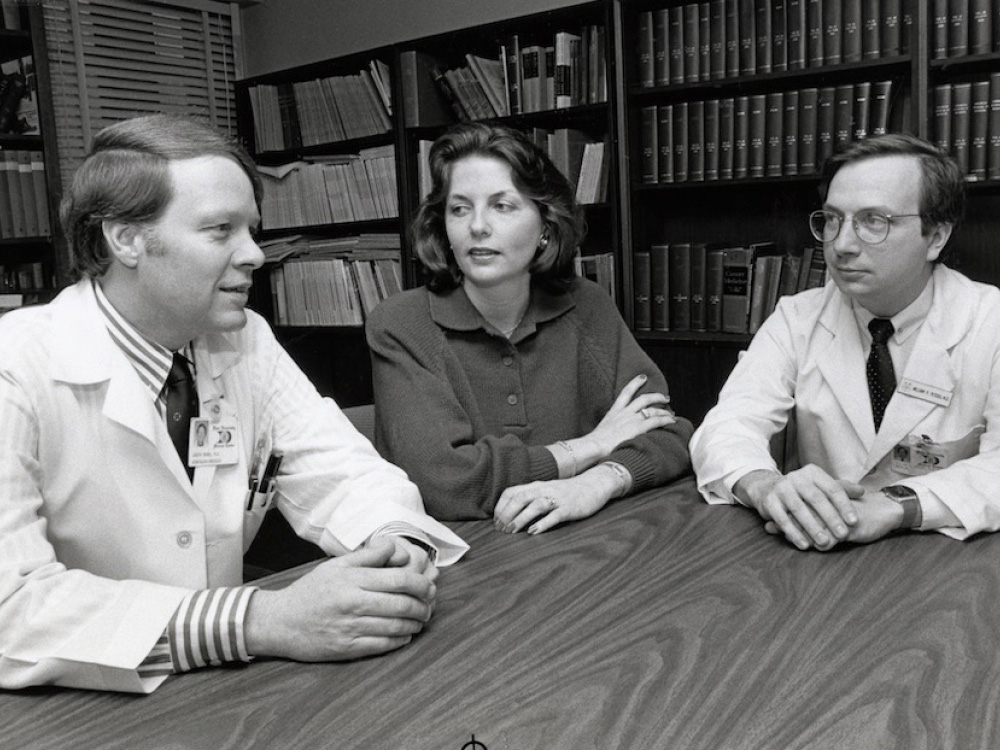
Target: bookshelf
x=33 y=257
x=722 y=142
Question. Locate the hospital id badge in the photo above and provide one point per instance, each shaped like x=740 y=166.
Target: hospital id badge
x=212 y=441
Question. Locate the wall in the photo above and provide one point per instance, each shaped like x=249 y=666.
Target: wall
x=281 y=34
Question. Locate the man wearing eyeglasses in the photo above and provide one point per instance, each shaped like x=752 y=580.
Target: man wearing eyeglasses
x=890 y=374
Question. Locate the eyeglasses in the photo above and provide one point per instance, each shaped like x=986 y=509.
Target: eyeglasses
x=871 y=226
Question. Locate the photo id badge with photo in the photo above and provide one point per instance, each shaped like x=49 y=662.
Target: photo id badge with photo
x=213 y=442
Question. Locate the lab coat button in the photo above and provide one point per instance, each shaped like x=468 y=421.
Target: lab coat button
x=184 y=539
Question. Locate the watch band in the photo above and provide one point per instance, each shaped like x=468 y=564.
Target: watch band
x=908 y=500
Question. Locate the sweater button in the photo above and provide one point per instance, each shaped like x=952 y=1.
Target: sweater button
x=184 y=539
x=508 y=360
x=512 y=399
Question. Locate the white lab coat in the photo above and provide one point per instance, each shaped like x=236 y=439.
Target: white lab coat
x=102 y=533
x=808 y=359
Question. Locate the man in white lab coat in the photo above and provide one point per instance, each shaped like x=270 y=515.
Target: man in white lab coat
x=890 y=373
x=124 y=510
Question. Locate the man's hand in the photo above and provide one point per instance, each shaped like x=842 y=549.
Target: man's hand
x=411 y=557
x=808 y=506
x=878 y=516
x=351 y=606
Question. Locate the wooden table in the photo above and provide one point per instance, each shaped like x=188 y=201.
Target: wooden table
x=661 y=623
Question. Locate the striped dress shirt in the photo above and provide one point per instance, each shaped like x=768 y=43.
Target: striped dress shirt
x=207 y=628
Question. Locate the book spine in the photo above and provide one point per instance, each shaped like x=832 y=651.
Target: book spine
x=696 y=141
x=939 y=29
x=993 y=147
x=512 y=70
x=779 y=36
x=796 y=33
x=679 y=260
x=862 y=110
x=958 y=28
x=710 y=144
x=676 y=44
x=774 y=133
x=726 y=137
x=833 y=32
x=735 y=290
x=961 y=104
x=661 y=54
x=732 y=38
x=741 y=138
x=680 y=128
x=881 y=91
x=808 y=110
x=843 y=122
x=942 y=116
x=641 y=307
x=764 y=36
x=825 y=123
x=758 y=134
x=692 y=42
x=979 y=129
x=644 y=39
x=717 y=36
x=853 y=30
x=748 y=37
x=890 y=28
x=650 y=149
x=713 y=289
x=814 y=32
x=659 y=270
x=699 y=282
x=871 y=22
x=704 y=41
x=665 y=141
x=791 y=134
x=981 y=26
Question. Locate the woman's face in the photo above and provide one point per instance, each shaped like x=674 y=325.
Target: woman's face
x=494 y=230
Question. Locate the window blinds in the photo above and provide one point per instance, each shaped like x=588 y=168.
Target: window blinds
x=114 y=59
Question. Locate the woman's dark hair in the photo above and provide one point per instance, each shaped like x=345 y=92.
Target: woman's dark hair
x=533 y=174
x=125 y=177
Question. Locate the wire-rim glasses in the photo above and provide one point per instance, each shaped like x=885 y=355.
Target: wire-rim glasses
x=871 y=226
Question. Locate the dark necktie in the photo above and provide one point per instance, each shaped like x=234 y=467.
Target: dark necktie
x=182 y=406
x=881 y=377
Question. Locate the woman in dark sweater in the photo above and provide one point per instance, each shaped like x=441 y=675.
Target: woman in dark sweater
x=508 y=386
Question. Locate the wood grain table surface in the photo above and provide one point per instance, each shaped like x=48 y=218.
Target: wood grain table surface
x=660 y=623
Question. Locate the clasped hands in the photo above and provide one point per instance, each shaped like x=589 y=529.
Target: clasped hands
x=814 y=510
x=363 y=603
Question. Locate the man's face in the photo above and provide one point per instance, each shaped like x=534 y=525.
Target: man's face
x=199 y=256
x=885 y=277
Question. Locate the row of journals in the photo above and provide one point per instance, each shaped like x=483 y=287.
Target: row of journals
x=698 y=286
x=331 y=190
x=763 y=135
x=323 y=110
x=967 y=125
x=965 y=27
x=728 y=38
x=24 y=206
x=321 y=289
x=580 y=158
x=564 y=70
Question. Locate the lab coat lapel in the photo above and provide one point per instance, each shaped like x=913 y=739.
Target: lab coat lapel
x=930 y=365
x=843 y=367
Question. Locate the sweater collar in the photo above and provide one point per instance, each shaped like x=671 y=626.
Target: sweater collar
x=453 y=309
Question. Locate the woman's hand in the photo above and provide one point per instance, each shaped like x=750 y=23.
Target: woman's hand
x=539 y=506
x=631 y=416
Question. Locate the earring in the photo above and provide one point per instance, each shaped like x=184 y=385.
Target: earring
x=543 y=242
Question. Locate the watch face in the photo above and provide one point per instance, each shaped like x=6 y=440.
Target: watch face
x=898 y=492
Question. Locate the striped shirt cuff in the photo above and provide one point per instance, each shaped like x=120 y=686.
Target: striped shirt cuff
x=206 y=630
x=410 y=533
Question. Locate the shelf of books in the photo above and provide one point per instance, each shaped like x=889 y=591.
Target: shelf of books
x=29 y=184
x=325 y=142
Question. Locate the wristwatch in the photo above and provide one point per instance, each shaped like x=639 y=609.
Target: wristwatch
x=912 y=513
